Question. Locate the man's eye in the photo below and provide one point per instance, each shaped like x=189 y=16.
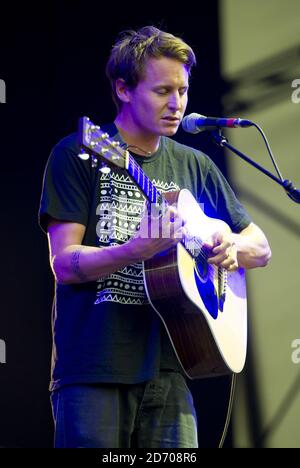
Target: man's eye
x=162 y=91
x=182 y=92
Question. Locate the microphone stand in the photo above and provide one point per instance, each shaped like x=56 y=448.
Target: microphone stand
x=288 y=186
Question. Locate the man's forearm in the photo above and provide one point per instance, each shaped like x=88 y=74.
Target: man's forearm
x=253 y=249
x=81 y=264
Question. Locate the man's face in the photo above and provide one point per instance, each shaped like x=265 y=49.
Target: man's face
x=158 y=102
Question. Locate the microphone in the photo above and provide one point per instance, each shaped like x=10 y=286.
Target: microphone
x=195 y=123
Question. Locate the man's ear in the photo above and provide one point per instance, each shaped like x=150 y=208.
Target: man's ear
x=122 y=90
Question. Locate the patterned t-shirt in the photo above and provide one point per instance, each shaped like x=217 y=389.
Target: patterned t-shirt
x=120 y=208
x=105 y=330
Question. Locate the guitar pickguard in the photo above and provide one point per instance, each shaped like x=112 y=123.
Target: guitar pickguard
x=206 y=287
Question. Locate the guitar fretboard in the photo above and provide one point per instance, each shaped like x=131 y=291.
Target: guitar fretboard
x=143 y=182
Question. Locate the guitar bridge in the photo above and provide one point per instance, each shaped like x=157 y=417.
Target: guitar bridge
x=222 y=285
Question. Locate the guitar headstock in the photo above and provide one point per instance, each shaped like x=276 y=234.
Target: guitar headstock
x=94 y=141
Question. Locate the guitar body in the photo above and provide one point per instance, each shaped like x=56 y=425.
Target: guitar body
x=203 y=307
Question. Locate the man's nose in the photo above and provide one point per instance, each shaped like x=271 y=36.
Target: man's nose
x=174 y=101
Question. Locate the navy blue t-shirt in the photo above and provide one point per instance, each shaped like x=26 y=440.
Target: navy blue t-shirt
x=105 y=330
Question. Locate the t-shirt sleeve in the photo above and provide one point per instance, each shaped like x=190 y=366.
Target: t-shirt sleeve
x=220 y=201
x=66 y=187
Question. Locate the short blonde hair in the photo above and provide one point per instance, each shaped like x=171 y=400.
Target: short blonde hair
x=132 y=50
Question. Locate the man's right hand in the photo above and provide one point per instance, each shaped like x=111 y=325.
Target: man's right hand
x=156 y=234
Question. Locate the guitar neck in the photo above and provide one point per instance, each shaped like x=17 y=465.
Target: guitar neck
x=143 y=182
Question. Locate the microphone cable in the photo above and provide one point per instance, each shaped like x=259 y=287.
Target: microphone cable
x=269 y=150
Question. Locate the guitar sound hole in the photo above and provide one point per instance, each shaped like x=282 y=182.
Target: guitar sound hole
x=202 y=268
